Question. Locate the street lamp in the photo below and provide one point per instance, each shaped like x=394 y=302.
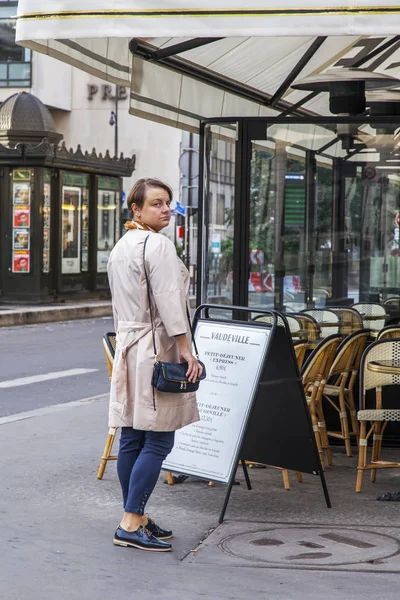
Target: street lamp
x=114 y=120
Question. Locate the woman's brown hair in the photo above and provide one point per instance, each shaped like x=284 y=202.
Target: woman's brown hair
x=137 y=195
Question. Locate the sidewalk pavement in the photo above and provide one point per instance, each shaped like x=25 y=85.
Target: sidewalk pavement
x=12 y=314
x=57 y=523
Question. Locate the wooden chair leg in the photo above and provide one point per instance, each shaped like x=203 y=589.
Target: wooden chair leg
x=286 y=481
x=169 y=478
x=344 y=423
x=377 y=434
x=355 y=430
x=299 y=476
x=376 y=440
x=107 y=451
x=314 y=421
x=323 y=431
x=362 y=455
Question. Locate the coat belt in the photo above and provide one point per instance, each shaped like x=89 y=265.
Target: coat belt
x=129 y=333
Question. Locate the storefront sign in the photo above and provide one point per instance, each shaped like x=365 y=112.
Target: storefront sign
x=234 y=356
x=106 y=92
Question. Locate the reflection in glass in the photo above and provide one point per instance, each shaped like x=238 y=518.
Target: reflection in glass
x=219 y=212
x=71 y=226
x=106 y=209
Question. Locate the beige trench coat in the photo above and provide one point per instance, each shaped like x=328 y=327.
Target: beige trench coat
x=131 y=397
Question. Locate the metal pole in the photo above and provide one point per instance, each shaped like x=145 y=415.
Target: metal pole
x=116 y=120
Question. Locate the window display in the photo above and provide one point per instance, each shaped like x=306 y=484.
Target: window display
x=85 y=230
x=21 y=198
x=71 y=209
x=107 y=214
x=46 y=223
x=74 y=223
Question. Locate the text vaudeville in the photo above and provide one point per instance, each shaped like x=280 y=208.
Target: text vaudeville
x=228 y=337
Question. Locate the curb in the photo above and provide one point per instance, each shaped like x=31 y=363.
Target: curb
x=32 y=316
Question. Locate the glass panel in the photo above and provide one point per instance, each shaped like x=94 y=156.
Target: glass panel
x=19 y=71
x=106 y=221
x=46 y=208
x=322 y=288
x=21 y=201
x=74 y=223
x=263 y=191
x=9 y=51
x=291 y=217
x=219 y=212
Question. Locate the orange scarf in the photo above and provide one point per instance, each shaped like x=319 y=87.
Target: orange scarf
x=137 y=225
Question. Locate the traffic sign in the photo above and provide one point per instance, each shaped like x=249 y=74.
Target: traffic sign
x=181 y=210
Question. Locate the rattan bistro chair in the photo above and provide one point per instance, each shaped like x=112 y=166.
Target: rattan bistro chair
x=109 y=351
x=300 y=350
x=309 y=326
x=314 y=374
x=378 y=417
x=374 y=315
x=390 y=331
x=329 y=321
x=350 y=319
x=339 y=389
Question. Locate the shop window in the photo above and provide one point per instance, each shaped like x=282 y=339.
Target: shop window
x=46 y=222
x=74 y=223
x=21 y=189
x=107 y=219
x=15 y=61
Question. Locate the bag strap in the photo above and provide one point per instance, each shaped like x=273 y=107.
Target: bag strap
x=151 y=310
x=148 y=298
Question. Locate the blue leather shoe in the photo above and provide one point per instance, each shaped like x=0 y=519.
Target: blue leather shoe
x=141 y=538
x=157 y=531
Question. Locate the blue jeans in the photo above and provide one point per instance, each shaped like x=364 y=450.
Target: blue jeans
x=140 y=457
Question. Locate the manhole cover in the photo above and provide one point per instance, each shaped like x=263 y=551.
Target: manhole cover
x=311 y=546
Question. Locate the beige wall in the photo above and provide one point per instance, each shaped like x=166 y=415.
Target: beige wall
x=64 y=90
x=156 y=146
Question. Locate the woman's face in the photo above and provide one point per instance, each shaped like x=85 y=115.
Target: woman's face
x=156 y=210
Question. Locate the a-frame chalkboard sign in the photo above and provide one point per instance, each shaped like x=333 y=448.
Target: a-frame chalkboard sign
x=252 y=404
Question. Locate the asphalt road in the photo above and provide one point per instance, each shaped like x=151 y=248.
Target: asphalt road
x=38 y=350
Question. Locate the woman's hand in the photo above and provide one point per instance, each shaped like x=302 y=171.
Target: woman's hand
x=194 y=368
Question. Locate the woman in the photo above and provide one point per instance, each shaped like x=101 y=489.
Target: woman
x=147 y=421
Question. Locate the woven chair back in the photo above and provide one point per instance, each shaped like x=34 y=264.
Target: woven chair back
x=300 y=350
x=109 y=342
x=319 y=363
x=309 y=324
x=387 y=349
x=350 y=319
x=370 y=310
x=325 y=316
x=391 y=331
x=269 y=319
x=395 y=301
x=349 y=352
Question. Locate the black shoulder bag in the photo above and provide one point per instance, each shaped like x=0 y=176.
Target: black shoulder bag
x=170 y=377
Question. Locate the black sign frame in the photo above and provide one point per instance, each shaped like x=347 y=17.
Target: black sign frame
x=279 y=373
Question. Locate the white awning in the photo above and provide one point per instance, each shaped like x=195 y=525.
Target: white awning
x=246 y=71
